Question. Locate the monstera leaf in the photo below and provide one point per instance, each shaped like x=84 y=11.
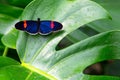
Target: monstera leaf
x=38 y=55
x=101 y=25
x=106 y=25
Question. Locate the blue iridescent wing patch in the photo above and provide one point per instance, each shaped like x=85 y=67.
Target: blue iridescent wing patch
x=45 y=27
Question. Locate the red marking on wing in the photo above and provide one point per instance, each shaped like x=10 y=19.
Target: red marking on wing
x=52 y=24
x=24 y=24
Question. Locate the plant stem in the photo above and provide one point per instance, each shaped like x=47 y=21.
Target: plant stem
x=5 y=51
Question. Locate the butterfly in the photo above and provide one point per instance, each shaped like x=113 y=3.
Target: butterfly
x=44 y=27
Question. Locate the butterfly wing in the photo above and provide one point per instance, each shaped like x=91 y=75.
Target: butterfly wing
x=32 y=27
x=29 y=26
x=20 y=26
x=56 y=26
x=45 y=27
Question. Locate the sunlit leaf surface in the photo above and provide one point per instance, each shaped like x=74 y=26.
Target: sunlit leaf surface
x=39 y=51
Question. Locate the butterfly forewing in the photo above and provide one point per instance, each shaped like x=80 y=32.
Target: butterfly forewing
x=57 y=26
x=29 y=26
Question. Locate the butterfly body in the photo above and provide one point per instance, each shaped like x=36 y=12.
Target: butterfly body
x=42 y=27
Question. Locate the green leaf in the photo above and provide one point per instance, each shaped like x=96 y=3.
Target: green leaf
x=8 y=17
x=17 y=72
x=36 y=51
x=5 y=61
x=10 y=10
x=10 y=39
x=102 y=47
x=18 y=3
x=105 y=25
x=12 y=70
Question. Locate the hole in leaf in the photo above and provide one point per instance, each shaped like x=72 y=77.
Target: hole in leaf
x=2 y=47
x=63 y=44
x=109 y=68
x=12 y=53
x=88 y=30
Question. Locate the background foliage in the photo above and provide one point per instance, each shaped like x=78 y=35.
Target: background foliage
x=87 y=39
